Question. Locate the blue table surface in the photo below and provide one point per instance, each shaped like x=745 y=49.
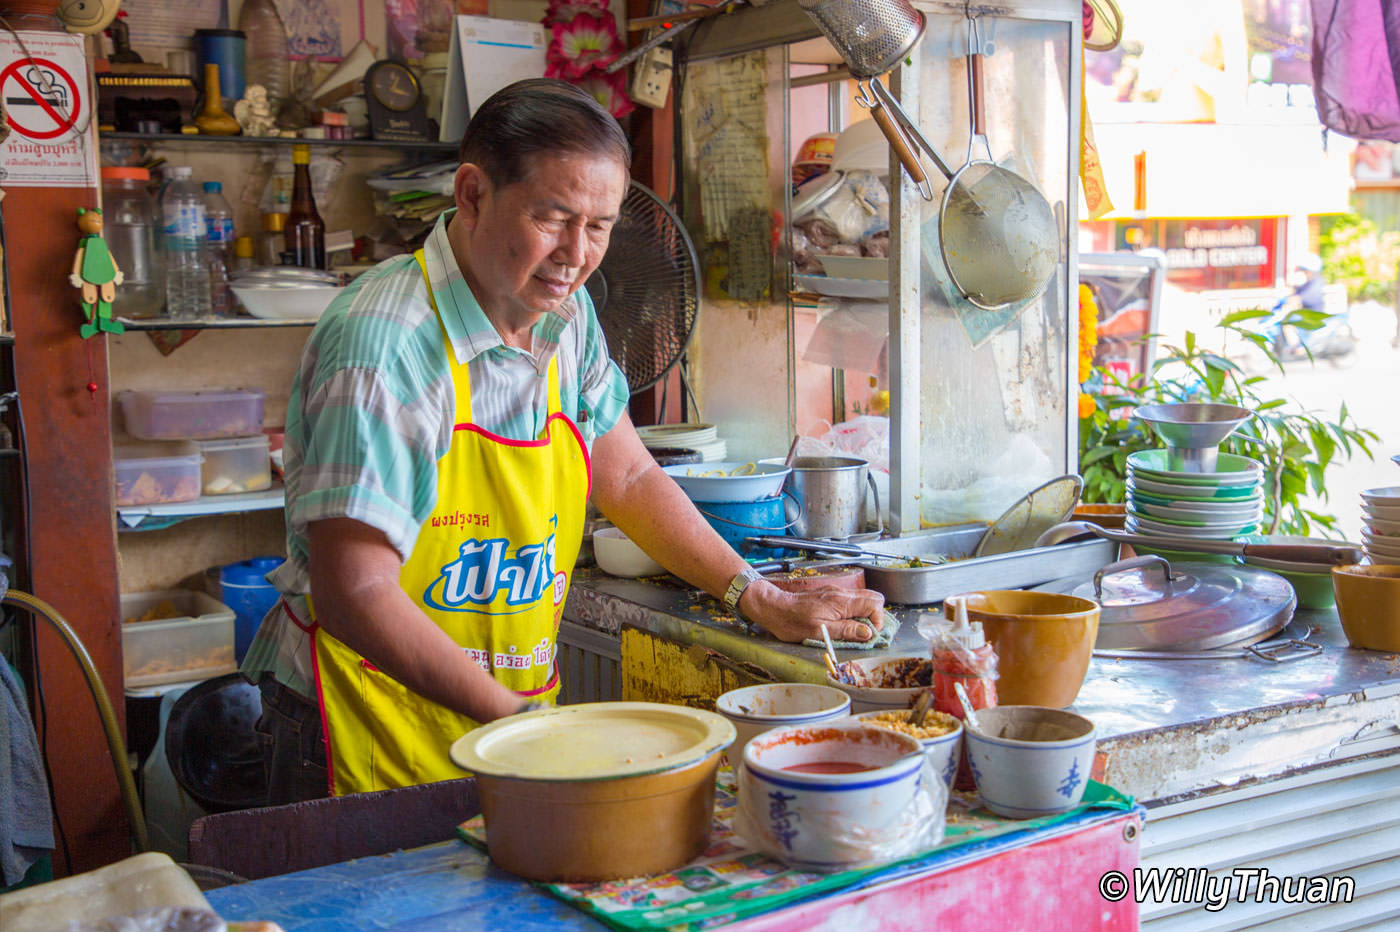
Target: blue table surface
x=451 y=885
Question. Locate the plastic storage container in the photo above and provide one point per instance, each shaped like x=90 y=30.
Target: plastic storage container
x=189 y=637
x=131 y=223
x=156 y=473
x=202 y=415
x=245 y=589
x=237 y=465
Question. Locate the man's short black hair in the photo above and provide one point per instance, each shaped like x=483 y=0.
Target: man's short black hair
x=535 y=116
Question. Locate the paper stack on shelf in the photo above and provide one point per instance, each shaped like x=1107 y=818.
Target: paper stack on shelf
x=408 y=200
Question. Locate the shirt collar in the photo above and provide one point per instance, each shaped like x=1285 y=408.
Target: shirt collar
x=469 y=330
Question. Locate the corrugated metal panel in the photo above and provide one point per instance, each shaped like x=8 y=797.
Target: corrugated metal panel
x=1337 y=821
x=590 y=667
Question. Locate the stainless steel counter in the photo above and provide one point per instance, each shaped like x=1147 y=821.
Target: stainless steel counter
x=1169 y=727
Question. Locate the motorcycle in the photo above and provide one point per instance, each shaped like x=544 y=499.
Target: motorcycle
x=1294 y=333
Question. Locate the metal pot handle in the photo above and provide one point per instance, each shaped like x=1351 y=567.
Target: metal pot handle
x=1122 y=566
x=875 y=491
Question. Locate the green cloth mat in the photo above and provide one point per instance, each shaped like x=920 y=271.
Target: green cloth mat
x=882 y=639
x=729 y=882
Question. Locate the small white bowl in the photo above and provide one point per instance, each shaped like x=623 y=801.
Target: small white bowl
x=275 y=302
x=878 y=669
x=944 y=752
x=1030 y=761
x=1383 y=528
x=1384 y=512
x=827 y=821
x=752 y=710
x=1388 y=496
x=618 y=556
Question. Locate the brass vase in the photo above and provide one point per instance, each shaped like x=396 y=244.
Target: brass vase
x=213 y=120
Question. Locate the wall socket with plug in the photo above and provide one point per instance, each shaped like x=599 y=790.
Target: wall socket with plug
x=651 y=78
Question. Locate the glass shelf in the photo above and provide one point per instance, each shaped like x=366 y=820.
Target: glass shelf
x=156 y=517
x=221 y=323
x=195 y=139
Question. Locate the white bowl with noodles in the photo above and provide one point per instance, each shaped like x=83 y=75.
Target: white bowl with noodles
x=729 y=480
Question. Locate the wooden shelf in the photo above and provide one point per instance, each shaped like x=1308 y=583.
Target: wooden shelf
x=196 y=140
x=156 y=517
x=221 y=323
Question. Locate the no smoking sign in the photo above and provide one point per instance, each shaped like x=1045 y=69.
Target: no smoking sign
x=42 y=100
x=44 y=89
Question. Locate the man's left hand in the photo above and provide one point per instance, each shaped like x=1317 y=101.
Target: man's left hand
x=795 y=616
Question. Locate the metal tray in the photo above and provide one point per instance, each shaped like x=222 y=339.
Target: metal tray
x=1018 y=569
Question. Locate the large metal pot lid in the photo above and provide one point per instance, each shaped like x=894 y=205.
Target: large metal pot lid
x=1148 y=603
x=593 y=741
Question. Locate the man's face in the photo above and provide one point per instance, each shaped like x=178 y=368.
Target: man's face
x=533 y=243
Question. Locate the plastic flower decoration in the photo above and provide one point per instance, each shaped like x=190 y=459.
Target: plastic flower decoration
x=583 y=42
x=1088 y=331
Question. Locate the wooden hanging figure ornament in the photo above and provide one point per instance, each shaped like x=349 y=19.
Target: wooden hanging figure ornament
x=96 y=274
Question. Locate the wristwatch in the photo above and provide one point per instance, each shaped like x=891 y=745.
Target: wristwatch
x=737 y=585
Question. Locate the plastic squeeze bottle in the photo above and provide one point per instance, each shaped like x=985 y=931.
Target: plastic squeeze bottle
x=961 y=654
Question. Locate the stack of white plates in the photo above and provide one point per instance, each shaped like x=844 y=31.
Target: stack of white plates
x=702 y=438
x=1380 y=509
x=1216 y=505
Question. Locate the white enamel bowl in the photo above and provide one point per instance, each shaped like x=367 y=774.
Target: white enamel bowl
x=718 y=482
x=752 y=710
x=617 y=555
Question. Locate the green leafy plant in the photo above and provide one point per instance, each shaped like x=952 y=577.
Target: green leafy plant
x=1295 y=446
x=1357 y=254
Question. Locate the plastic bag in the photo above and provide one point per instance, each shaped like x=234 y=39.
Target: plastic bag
x=779 y=823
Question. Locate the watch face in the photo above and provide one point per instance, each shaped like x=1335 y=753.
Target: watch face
x=394 y=86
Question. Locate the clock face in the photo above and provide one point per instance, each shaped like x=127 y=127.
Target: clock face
x=393 y=85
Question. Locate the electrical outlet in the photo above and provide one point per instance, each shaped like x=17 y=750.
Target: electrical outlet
x=651 y=78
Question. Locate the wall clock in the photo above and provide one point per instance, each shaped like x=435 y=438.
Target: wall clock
x=394 y=99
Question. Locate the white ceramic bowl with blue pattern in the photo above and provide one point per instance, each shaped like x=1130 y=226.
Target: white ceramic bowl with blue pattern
x=828 y=796
x=1030 y=761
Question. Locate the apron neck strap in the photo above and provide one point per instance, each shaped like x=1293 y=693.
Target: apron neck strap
x=461 y=379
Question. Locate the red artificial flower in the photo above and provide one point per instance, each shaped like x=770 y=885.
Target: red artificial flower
x=584 y=44
x=610 y=90
x=564 y=11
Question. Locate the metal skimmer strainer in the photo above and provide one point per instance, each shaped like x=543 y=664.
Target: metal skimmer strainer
x=872 y=36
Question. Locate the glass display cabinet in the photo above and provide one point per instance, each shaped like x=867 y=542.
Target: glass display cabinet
x=980 y=403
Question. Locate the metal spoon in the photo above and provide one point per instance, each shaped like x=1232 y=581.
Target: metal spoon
x=1323 y=554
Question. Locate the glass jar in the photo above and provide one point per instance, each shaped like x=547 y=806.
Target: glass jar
x=131 y=224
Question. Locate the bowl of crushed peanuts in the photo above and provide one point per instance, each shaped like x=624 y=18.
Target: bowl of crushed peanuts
x=940 y=734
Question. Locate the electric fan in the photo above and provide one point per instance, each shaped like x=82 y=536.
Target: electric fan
x=647 y=289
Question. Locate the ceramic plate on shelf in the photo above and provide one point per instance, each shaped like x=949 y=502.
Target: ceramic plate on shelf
x=862 y=267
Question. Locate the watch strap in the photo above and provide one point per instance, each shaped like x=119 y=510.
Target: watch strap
x=737 y=585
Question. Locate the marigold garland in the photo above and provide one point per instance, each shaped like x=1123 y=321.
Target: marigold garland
x=1088 y=334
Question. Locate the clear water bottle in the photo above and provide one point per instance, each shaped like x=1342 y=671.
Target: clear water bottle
x=131 y=226
x=218 y=226
x=265 y=50
x=186 y=273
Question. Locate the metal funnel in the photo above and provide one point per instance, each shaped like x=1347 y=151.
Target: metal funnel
x=1192 y=431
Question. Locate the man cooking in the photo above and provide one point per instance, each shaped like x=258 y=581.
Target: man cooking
x=451 y=417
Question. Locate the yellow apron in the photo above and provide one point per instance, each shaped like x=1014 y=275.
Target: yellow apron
x=491 y=567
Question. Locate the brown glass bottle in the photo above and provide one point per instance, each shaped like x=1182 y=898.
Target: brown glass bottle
x=305 y=233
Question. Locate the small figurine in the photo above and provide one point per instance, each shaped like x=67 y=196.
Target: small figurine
x=96 y=273
x=254 y=112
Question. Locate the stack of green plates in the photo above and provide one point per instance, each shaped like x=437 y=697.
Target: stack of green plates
x=1201 y=505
